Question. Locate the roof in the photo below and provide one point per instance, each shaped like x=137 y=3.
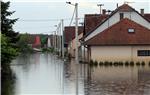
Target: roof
x=69 y=32
x=118 y=34
x=147 y=16
x=92 y=20
x=123 y=8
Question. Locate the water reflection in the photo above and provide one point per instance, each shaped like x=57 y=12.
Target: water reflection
x=8 y=86
x=119 y=81
x=44 y=73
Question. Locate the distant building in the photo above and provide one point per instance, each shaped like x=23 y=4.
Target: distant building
x=37 y=42
x=69 y=38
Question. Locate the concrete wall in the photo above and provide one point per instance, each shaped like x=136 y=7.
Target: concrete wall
x=118 y=53
x=116 y=18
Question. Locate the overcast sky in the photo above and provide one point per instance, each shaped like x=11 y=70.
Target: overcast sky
x=40 y=16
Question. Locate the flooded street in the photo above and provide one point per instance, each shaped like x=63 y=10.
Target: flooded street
x=46 y=74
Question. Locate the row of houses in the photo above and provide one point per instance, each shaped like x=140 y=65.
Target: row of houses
x=38 y=40
x=122 y=35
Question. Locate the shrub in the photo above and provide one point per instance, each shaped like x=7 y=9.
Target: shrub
x=126 y=63
x=95 y=63
x=137 y=63
x=143 y=63
x=110 y=63
x=116 y=64
x=131 y=63
x=101 y=63
x=106 y=63
x=120 y=63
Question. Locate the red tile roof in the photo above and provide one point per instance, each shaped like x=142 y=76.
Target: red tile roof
x=92 y=20
x=69 y=33
x=122 y=8
x=125 y=8
x=118 y=34
x=147 y=16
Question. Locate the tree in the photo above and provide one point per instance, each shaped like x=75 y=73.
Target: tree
x=8 y=40
x=7 y=23
x=23 y=43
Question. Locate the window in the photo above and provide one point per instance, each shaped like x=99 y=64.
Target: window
x=121 y=16
x=143 y=53
x=131 y=30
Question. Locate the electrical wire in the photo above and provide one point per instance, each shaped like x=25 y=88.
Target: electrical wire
x=41 y=20
x=72 y=17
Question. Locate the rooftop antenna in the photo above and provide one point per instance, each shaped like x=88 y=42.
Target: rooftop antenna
x=100 y=6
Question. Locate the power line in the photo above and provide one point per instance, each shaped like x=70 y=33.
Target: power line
x=42 y=20
x=72 y=17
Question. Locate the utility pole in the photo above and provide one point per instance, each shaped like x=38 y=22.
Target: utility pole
x=76 y=32
x=100 y=6
x=62 y=22
x=76 y=43
x=60 y=49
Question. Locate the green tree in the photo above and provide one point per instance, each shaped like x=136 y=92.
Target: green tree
x=8 y=40
x=8 y=48
x=7 y=23
x=23 y=43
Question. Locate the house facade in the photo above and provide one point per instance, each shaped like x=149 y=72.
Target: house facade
x=69 y=33
x=123 y=36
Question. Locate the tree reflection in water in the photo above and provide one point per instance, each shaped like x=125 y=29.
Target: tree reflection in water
x=8 y=85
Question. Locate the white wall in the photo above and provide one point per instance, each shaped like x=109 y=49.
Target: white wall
x=116 y=18
x=118 y=53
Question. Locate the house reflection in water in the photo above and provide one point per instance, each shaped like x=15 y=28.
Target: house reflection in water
x=118 y=81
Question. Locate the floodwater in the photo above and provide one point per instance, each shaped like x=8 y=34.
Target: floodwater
x=46 y=74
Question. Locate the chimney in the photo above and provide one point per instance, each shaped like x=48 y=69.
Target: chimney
x=104 y=11
x=117 y=5
x=142 y=12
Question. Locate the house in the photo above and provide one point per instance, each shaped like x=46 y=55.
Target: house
x=91 y=21
x=69 y=39
x=37 y=42
x=123 y=36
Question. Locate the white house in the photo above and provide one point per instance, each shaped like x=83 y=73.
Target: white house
x=123 y=36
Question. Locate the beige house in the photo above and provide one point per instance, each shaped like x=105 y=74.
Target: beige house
x=123 y=36
x=70 y=38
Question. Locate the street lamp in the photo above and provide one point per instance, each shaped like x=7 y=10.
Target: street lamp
x=76 y=30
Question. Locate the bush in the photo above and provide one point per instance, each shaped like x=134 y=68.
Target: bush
x=116 y=63
x=101 y=63
x=110 y=63
x=131 y=63
x=137 y=63
x=126 y=63
x=120 y=63
x=95 y=63
x=143 y=63
x=91 y=61
x=106 y=63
